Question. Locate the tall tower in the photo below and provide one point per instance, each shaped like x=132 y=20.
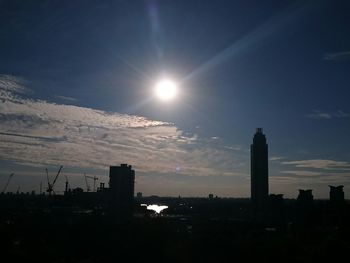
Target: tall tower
x=259 y=171
x=121 y=182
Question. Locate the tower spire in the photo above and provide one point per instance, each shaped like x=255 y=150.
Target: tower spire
x=259 y=172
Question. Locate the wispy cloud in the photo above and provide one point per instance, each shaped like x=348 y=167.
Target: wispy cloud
x=336 y=56
x=320 y=164
x=313 y=172
x=302 y=173
x=276 y=158
x=319 y=115
x=37 y=133
x=12 y=84
x=65 y=98
x=310 y=178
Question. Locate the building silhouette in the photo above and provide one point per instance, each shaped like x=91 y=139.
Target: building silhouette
x=336 y=194
x=259 y=172
x=305 y=196
x=121 y=183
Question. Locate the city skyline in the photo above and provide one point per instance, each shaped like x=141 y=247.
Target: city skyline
x=76 y=89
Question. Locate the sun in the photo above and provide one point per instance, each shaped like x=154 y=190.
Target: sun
x=166 y=89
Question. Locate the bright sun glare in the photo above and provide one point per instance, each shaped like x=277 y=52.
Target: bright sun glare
x=166 y=89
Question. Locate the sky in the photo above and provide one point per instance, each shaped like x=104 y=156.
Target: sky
x=77 y=89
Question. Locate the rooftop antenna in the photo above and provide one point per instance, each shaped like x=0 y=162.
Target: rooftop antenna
x=67 y=184
x=48 y=179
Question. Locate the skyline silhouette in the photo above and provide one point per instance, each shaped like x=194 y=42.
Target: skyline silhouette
x=128 y=131
x=175 y=88
x=132 y=131
x=122 y=182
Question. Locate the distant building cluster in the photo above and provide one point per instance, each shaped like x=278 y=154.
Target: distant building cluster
x=119 y=196
x=259 y=179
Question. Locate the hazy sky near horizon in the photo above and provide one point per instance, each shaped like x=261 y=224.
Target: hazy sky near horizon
x=77 y=81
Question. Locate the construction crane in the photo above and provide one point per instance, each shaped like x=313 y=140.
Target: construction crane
x=51 y=185
x=87 y=183
x=7 y=183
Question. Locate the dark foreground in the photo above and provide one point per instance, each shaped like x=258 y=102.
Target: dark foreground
x=191 y=230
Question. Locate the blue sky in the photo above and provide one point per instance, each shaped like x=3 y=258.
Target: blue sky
x=76 y=89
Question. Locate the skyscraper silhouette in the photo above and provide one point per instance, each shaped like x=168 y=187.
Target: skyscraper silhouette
x=259 y=172
x=121 y=182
